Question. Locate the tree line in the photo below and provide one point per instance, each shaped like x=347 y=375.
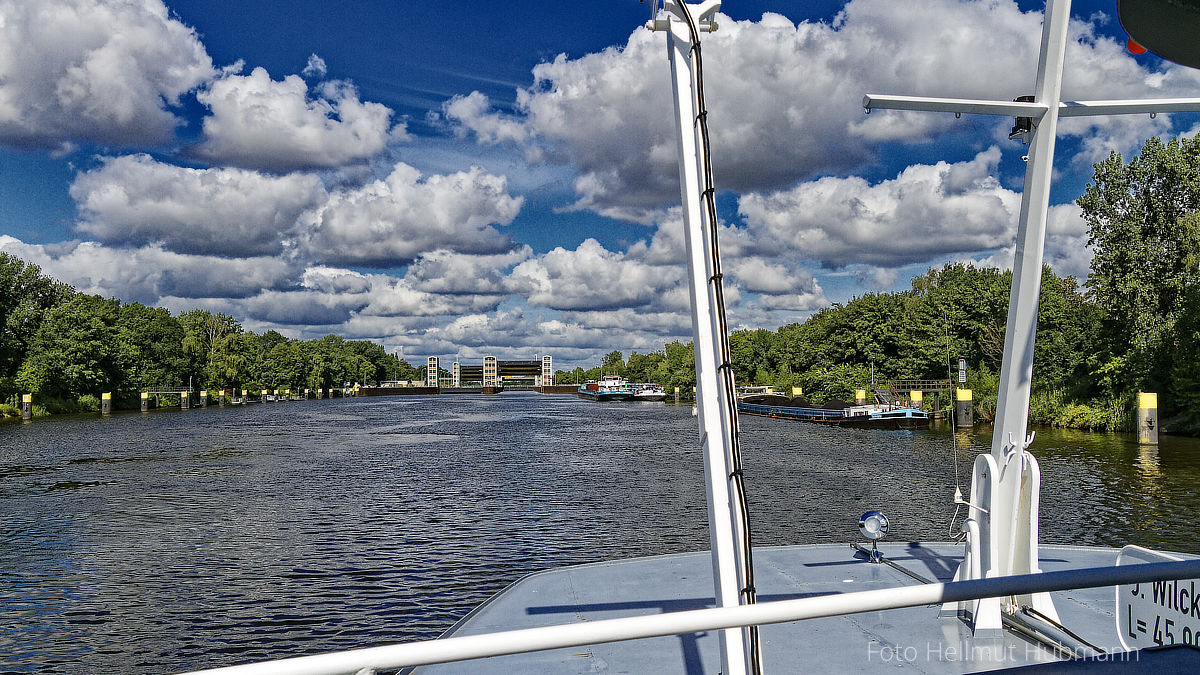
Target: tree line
x=1133 y=325
x=67 y=347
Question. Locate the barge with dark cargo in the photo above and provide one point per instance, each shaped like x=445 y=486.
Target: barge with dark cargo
x=834 y=413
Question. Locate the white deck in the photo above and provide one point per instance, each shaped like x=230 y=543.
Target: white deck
x=911 y=640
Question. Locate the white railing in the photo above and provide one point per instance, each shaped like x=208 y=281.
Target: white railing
x=717 y=618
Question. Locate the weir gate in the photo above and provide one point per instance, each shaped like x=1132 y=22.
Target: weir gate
x=490 y=376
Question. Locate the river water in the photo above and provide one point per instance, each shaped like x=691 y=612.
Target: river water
x=161 y=542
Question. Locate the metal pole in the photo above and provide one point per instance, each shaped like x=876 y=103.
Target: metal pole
x=1016 y=370
x=724 y=536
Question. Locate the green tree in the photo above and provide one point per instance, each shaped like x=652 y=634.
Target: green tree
x=613 y=363
x=678 y=368
x=25 y=296
x=284 y=366
x=752 y=353
x=641 y=367
x=74 y=351
x=1144 y=262
x=208 y=340
x=149 y=350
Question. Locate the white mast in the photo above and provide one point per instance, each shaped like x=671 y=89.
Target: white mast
x=1002 y=525
x=728 y=534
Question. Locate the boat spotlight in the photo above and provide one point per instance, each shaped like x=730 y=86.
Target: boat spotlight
x=874 y=526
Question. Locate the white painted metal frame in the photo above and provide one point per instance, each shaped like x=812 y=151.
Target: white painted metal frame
x=700 y=620
x=1006 y=481
x=716 y=420
x=1006 y=484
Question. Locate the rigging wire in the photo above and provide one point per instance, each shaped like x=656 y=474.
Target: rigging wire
x=953 y=443
x=725 y=366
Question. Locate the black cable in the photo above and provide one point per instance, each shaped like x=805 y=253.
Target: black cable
x=729 y=410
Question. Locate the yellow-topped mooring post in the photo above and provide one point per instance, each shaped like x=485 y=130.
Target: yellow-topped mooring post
x=964 y=411
x=245 y=397
x=860 y=396
x=916 y=398
x=797 y=391
x=106 y=403
x=1147 y=418
x=185 y=400
x=26 y=406
x=145 y=401
x=262 y=394
x=676 y=395
x=203 y=398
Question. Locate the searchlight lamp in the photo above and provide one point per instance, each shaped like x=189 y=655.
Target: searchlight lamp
x=874 y=526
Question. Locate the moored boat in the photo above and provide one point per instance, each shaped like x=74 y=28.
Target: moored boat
x=607 y=388
x=895 y=418
x=842 y=415
x=649 y=391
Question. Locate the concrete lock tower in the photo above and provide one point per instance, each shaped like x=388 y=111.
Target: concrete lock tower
x=431 y=372
x=491 y=375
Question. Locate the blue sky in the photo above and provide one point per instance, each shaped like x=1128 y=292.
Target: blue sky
x=454 y=179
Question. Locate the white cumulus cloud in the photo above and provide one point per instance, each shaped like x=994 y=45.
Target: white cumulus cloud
x=149 y=274
x=394 y=220
x=924 y=213
x=102 y=71
x=443 y=271
x=136 y=200
x=591 y=277
x=784 y=99
x=260 y=123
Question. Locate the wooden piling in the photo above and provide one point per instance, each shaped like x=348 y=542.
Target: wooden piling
x=1147 y=418
x=964 y=411
x=106 y=403
x=26 y=406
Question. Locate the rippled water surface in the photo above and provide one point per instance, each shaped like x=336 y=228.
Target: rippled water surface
x=185 y=539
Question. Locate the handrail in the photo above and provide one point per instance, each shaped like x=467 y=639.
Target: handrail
x=906 y=385
x=698 y=620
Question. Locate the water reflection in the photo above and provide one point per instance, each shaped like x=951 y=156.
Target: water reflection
x=152 y=543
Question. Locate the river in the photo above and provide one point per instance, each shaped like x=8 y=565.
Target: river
x=161 y=542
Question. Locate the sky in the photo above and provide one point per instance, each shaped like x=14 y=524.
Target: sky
x=466 y=178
